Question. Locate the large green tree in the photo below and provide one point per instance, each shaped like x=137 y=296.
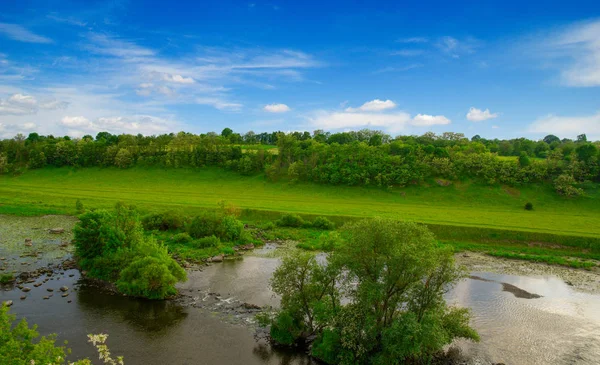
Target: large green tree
x=392 y=276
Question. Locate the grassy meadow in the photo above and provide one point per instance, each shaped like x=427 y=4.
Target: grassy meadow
x=468 y=216
x=460 y=204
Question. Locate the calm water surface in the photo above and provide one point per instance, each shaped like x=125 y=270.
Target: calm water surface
x=556 y=326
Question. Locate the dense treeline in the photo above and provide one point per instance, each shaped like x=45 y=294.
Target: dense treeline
x=364 y=157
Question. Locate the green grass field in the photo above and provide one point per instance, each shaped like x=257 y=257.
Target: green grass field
x=468 y=216
x=56 y=190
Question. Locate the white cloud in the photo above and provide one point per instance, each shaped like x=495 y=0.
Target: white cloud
x=178 y=79
x=478 y=115
x=407 y=52
x=76 y=122
x=568 y=126
x=21 y=104
x=456 y=47
x=579 y=46
x=373 y=106
x=398 y=69
x=220 y=104
x=19 y=33
x=424 y=120
x=413 y=40
x=112 y=46
x=68 y=20
x=392 y=122
x=11 y=130
x=343 y=120
x=145 y=124
x=276 y=108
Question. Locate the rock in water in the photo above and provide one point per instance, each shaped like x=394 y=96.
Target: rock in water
x=63 y=288
x=7 y=303
x=218 y=258
x=26 y=289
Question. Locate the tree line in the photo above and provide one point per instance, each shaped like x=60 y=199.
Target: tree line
x=364 y=157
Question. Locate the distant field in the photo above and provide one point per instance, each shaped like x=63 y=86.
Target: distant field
x=56 y=190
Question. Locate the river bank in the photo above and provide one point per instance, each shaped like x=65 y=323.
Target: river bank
x=526 y=313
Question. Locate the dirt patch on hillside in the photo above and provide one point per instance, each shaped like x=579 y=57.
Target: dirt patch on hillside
x=511 y=191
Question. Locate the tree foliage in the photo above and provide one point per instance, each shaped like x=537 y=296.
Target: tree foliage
x=112 y=247
x=363 y=157
x=393 y=275
x=19 y=345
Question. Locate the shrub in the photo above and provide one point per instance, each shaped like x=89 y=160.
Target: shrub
x=268 y=226
x=206 y=224
x=169 y=220
x=206 y=242
x=290 y=220
x=228 y=251
x=112 y=247
x=528 y=206
x=524 y=160
x=95 y=235
x=225 y=227
x=182 y=238
x=149 y=277
x=79 y=207
x=330 y=241
x=323 y=223
x=564 y=185
x=123 y=159
x=230 y=228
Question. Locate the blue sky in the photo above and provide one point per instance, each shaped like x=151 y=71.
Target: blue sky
x=499 y=69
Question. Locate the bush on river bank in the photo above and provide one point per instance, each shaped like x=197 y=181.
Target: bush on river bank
x=394 y=275
x=111 y=246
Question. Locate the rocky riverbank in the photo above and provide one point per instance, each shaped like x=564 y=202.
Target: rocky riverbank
x=580 y=279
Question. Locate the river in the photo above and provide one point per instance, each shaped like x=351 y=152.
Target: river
x=524 y=312
x=561 y=326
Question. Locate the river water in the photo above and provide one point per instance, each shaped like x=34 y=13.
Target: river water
x=521 y=320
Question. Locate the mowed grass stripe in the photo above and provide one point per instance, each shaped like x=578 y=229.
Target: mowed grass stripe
x=204 y=188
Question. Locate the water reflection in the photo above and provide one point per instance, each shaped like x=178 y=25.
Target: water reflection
x=145 y=316
x=560 y=327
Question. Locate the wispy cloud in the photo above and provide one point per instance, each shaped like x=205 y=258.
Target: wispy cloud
x=408 y=52
x=373 y=106
x=66 y=20
x=113 y=46
x=376 y=114
x=576 y=51
x=20 y=104
x=22 y=34
x=145 y=124
x=568 y=126
x=455 y=47
x=413 y=40
x=398 y=69
x=220 y=104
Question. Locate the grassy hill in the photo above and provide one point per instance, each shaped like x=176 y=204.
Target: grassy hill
x=459 y=204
